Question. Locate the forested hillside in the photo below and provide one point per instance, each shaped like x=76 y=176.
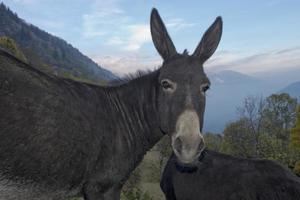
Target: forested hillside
x=44 y=49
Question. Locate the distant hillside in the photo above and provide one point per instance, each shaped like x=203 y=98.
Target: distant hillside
x=228 y=91
x=280 y=78
x=41 y=48
x=231 y=77
x=293 y=89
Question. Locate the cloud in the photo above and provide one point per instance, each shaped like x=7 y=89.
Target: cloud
x=273 y=3
x=262 y=62
x=140 y=34
x=90 y=24
x=104 y=17
x=265 y=62
x=121 y=65
x=25 y=2
x=137 y=35
x=108 y=21
x=121 y=33
x=178 y=24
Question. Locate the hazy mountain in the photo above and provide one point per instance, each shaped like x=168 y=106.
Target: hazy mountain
x=41 y=47
x=230 y=88
x=280 y=78
x=230 y=77
x=293 y=89
x=228 y=91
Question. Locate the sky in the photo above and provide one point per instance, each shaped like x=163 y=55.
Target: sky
x=258 y=36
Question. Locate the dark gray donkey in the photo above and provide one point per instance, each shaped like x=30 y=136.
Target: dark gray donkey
x=224 y=177
x=61 y=138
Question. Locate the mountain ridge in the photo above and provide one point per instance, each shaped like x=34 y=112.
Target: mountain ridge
x=38 y=45
x=230 y=76
x=225 y=96
x=292 y=89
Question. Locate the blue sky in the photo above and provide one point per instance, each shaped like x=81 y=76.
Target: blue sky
x=258 y=36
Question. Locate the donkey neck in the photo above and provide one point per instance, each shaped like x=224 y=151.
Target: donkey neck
x=135 y=103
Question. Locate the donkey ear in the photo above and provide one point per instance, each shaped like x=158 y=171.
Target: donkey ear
x=160 y=36
x=209 y=41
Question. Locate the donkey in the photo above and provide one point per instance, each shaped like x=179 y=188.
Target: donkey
x=61 y=138
x=223 y=177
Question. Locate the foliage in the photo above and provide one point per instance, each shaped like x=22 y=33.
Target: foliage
x=213 y=141
x=10 y=45
x=131 y=190
x=280 y=115
x=237 y=139
x=154 y=173
x=252 y=113
x=146 y=196
x=133 y=194
x=295 y=143
x=297 y=168
x=132 y=182
x=136 y=194
x=263 y=130
x=295 y=133
x=165 y=150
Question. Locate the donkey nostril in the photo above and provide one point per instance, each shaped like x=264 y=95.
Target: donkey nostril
x=178 y=144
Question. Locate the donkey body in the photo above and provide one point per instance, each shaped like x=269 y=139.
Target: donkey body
x=224 y=177
x=61 y=138
x=70 y=136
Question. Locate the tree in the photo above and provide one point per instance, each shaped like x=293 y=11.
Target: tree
x=280 y=112
x=213 y=141
x=295 y=133
x=237 y=140
x=252 y=112
x=279 y=118
x=263 y=129
x=295 y=142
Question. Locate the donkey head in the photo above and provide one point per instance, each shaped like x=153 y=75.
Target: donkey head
x=182 y=87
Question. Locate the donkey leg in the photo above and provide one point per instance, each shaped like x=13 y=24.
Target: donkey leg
x=92 y=192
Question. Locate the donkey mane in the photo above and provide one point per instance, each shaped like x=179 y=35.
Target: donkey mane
x=130 y=77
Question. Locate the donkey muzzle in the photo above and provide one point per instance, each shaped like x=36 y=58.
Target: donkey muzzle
x=187 y=141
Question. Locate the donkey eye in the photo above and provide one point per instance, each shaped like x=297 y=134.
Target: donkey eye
x=167 y=85
x=205 y=88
